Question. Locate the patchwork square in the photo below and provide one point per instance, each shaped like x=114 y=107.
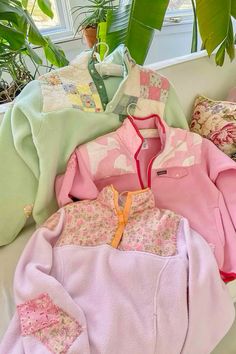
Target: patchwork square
x=70 y=88
x=155 y=80
x=153 y=86
x=144 y=77
x=79 y=95
x=154 y=93
x=87 y=101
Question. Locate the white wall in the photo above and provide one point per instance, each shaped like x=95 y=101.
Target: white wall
x=172 y=41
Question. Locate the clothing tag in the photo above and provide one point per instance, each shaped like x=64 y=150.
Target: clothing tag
x=163 y=172
x=145 y=144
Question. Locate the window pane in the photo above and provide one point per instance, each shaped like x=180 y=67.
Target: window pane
x=180 y=5
x=42 y=21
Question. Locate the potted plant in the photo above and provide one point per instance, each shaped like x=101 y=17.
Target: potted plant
x=18 y=36
x=90 y=16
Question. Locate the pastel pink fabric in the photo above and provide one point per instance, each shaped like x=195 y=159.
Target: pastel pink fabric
x=232 y=95
x=37 y=314
x=123 y=301
x=186 y=173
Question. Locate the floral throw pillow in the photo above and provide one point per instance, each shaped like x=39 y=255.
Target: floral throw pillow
x=216 y=121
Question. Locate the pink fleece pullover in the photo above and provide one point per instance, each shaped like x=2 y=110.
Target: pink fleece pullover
x=117 y=276
x=187 y=174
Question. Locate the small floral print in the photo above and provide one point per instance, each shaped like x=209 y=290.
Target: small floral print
x=147 y=229
x=90 y=223
x=59 y=337
x=52 y=221
x=37 y=314
x=164 y=95
x=144 y=91
x=155 y=80
x=216 y=121
x=44 y=320
x=70 y=88
x=153 y=232
x=88 y=101
x=53 y=80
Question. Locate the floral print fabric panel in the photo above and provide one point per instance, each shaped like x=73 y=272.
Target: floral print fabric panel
x=147 y=229
x=52 y=221
x=88 y=224
x=216 y=121
x=153 y=232
x=41 y=318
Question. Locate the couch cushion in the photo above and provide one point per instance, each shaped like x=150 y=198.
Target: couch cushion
x=216 y=121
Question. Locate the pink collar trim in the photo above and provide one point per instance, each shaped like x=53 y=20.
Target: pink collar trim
x=130 y=136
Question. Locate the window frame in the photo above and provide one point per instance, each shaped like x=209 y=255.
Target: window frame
x=65 y=29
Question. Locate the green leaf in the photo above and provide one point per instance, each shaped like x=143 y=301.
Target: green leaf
x=233 y=8
x=15 y=38
x=230 y=42
x=194 y=45
x=10 y=13
x=55 y=54
x=220 y=55
x=46 y=7
x=25 y=3
x=150 y=13
x=133 y=24
x=32 y=54
x=34 y=35
x=213 y=19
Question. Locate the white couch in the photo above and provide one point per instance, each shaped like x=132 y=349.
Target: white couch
x=191 y=75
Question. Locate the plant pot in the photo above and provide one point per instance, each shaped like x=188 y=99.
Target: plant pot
x=90 y=35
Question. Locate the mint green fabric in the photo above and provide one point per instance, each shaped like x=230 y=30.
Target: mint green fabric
x=174 y=113
x=35 y=146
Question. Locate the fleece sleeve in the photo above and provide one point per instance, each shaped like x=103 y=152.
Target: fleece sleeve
x=174 y=114
x=47 y=320
x=19 y=164
x=222 y=172
x=76 y=183
x=210 y=308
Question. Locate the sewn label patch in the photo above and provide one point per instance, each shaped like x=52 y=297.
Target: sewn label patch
x=160 y=173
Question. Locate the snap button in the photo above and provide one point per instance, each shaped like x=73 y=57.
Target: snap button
x=28 y=210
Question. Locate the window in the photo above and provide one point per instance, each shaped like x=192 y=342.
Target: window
x=179 y=11
x=61 y=26
x=180 y=5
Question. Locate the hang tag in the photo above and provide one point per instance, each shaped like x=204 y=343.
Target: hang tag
x=145 y=144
